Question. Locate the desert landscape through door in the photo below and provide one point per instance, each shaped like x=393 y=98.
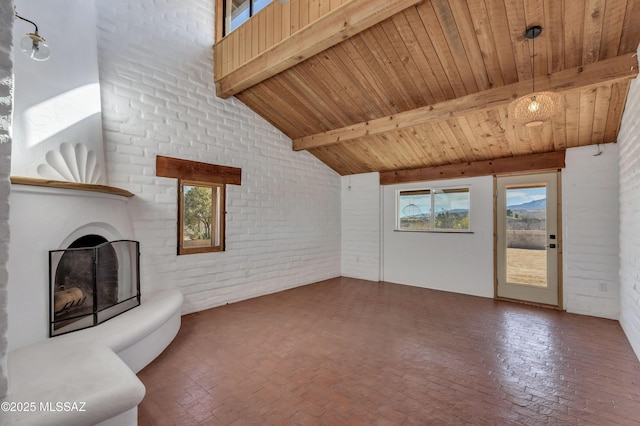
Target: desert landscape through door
x=527 y=238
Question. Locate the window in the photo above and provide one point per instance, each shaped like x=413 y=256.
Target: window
x=201 y=217
x=238 y=12
x=201 y=201
x=433 y=209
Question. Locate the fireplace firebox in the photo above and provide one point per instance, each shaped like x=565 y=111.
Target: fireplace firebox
x=92 y=281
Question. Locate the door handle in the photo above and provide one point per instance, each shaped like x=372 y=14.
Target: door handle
x=551 y=246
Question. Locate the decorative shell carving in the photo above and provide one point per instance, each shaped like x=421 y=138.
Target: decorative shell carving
x=72 y=164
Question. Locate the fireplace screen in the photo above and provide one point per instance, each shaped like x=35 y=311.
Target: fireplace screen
x=91 y=281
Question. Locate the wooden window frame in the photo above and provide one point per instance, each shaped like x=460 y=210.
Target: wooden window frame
x=218 y=214
x=200 y=174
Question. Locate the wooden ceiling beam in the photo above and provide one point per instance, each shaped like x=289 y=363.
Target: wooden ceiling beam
x=523 y=163
x=346 y=21
x=607 y=71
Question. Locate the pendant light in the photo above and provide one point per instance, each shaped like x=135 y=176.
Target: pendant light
x=33 y=44
x=537 y=107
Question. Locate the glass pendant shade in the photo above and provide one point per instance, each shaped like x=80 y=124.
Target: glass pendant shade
x=35 y=47
x=534 y=109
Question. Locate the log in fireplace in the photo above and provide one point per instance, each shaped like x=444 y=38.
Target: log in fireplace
x=91 y=281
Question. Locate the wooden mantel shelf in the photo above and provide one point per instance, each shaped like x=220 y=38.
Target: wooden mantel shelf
x=20 y=180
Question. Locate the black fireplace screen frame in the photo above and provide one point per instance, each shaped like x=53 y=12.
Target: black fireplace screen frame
x=96 y=311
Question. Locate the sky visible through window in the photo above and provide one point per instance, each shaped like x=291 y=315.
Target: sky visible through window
x=518 y=196
x=452 y=201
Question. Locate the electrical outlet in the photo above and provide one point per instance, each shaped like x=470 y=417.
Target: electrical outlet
x=602 y=286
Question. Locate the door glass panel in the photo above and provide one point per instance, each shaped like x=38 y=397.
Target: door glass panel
x=526 y=235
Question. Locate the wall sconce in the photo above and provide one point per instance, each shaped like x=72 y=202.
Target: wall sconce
x=33 y=44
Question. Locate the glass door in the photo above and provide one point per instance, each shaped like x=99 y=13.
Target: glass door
x=527 y=243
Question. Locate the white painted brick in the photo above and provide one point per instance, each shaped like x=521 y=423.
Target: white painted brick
x=629 y=196
x=283 y=226
x=6 y=110
x=590 y=231
x=361 y=226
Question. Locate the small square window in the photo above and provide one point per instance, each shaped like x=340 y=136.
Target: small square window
x=201 y=212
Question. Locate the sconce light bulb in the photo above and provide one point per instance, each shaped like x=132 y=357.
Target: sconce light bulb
x=534 y=106
x=35 y=47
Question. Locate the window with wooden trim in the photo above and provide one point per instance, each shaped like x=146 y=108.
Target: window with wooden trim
x=434 y=209
x=201 y=201
x=201 y=214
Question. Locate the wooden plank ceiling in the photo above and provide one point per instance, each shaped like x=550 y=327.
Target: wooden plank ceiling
x=430 y=85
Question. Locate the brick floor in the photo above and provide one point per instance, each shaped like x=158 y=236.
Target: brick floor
x=353 y=352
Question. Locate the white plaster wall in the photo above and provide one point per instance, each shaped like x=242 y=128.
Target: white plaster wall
x=6 y=109
x=283 y=222
x=57 y=100
x=44 y=219
x=361 y=226
x=590 y=231
x=629 y=169
x=456 y=262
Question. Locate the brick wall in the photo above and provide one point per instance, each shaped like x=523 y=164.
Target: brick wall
x=629 y=166
x=6 y=107
x=590 y=231
x=156 y=76
x=361 y=226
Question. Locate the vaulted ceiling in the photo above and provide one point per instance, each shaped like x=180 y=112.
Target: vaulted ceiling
x=430 y=85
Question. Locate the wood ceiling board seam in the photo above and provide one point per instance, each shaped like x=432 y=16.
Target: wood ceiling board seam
x=314 y=74
x=269 y=25
x=572 y=112
x=426 y=78
x=466 y=31
x=479 y=121
x=458 y=146
x=559 y=124
x=494 y=125
x=372 y=38
x=277 y=11
x=429 y=53
x=314 y=10
x=285 y=28
x=521 y=50
x=406 y=65
x=438 y=39
x=534 y=15
x=361 y=44
x=553 y=14
x=344 y=22
x=358 y=100
x=274 y=110
x=421 y=157
x=573 y=34
x=593 y=26
x=428 y=141
x=630 y=28
x=616 y=108
x=612 y=30
x=620 y=68
x=300 y=110
x=367 y=82
x=600 y=114
x=328 y=112
x=455 y=45
x=585 y=119
x=516 y=146
x=484 y=33
x=450 y=155
x=499 y=24
x=455 y=127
